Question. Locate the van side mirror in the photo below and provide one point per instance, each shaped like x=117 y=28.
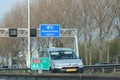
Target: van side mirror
x=80 y=58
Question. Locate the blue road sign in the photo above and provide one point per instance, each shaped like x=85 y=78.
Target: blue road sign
x=49 y=30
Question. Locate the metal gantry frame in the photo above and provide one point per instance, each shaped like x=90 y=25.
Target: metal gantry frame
x=23 y=32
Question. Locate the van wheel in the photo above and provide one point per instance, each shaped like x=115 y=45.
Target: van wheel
x=51 y=71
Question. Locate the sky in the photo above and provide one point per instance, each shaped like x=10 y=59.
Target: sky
x=5 y=5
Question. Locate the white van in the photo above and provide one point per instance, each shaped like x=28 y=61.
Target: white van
x=63 y=60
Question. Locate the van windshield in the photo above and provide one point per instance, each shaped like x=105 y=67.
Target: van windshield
x=55 y=55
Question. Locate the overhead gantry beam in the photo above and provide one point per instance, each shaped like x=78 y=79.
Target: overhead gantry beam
x=23 y=32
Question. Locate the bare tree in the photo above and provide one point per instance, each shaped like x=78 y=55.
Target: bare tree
x=95 y=21
x=117 y=25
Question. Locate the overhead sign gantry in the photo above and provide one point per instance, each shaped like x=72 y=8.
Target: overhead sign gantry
x=35 y=32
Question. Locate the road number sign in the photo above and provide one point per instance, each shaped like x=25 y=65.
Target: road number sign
x=40 y=63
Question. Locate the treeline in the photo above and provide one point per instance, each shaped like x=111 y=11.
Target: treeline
x=97 y=22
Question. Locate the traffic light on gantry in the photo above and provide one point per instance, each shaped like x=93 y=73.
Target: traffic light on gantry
x=33 y=32
x=12 y=32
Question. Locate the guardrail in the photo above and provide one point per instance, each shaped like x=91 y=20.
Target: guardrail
x=89 y=74
x=14 y=70
x=104 y=68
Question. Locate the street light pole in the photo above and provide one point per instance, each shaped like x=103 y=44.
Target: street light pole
x=28 y=55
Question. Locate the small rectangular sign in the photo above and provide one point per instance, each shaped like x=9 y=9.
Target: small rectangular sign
x=49 y=30
x=42 y=63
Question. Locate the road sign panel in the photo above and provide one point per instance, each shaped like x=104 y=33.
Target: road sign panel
x=40 y=63
x=49 y=30
x=45 y=63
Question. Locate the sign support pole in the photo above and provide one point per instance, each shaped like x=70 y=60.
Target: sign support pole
x=28 y=56
x=76 y=43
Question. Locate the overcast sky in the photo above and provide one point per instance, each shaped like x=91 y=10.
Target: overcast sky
x=5 y=5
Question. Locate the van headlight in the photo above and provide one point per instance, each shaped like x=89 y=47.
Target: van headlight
x=57 y=64
x=80 y=64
